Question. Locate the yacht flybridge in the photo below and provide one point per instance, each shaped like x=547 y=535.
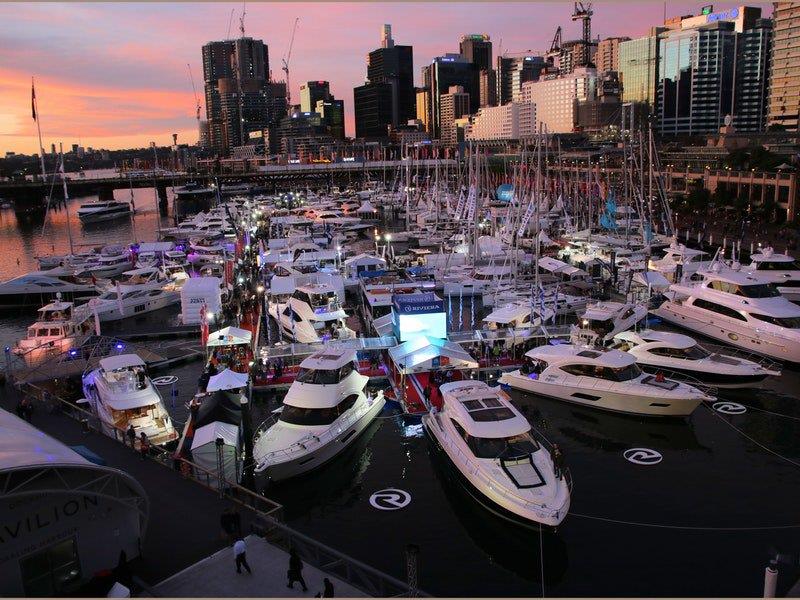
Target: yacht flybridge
x=605 y=379
x=312 y=314
x=95 y=212
x=656 y=351
x=740 y=309
x=324 y=411
x=780 y=269
x=601 y=321
x=59 y=326
x=121 y=394
x=497 y=454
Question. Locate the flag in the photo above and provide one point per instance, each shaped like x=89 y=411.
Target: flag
x=203 y=324
x=33 y=100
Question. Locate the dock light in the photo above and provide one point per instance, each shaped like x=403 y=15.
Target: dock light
x=209 y=315
x=260 y=289
x=73 y=352
x=240 y=280
x=586 y=322
x=119 y=346
x=7 y=348
x=388 y=237
x=251 y=363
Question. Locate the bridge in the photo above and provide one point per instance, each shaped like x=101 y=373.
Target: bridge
x=270 y=178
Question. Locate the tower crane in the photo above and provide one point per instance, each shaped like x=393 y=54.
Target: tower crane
x=194 y=91
x=581 y=13
x=285 y=60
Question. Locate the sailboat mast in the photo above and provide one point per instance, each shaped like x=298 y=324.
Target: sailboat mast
x=66 y=196
x=35 y=106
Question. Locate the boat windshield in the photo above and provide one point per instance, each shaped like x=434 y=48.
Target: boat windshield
x=516 y=446
x=321 y=300
x=788 y=322
x=626 y=373
x=316 y=416
x=758 y=290
x=318 y=376
x=690 y=353
x=775 y=265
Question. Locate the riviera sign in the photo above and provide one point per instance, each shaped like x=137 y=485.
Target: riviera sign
x=643 y=456
x=390 y=499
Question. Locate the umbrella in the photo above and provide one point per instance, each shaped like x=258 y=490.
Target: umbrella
x=227 y=380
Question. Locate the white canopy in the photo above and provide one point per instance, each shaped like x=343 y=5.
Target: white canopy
x=230 y=336
x=208 y=434
x=122 y=361
x=365 y=208
x=227 y=380
x=420 y=353
x=652 y=278
x=155 y=247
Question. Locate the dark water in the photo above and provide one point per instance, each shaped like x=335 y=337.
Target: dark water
x=703 y=522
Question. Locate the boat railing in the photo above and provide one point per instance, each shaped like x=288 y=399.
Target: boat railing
x=768 y=364
x=562 y=473
x=707 y=389
x=336 y=428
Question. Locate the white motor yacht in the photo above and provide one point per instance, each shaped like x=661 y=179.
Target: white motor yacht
x=95 y=212
x=34 y=289
x=674 y=352
x=678 y=259
x=605 y=379
x=121 y=394
x=740 y=309
x=481 y=280
x=287 y=277
x=516 y=319
x=601 y=321
x=140 y=291
x=780 y=269
x=113 y=261
x=311 y=314
x=59 y=326
x=323 y=412
x=495 y=450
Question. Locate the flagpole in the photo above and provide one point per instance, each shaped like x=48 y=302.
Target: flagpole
x=35 y=113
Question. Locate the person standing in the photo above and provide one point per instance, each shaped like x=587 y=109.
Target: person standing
x=240 y=554
x=131 y=433
x=327 y=591
x=144 y=445
x=295 y=572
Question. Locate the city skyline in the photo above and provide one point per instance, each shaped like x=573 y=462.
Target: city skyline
x=126 y=85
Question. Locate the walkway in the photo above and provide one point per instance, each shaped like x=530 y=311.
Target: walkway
x=216 y=576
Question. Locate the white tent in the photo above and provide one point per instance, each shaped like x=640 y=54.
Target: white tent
x=227 y=380
x=197 y=291
x=366 y=208
x=424 y=354
x=230 y=336
x=204 y=448
x=654 y=279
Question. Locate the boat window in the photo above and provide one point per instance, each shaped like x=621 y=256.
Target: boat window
x=601 y=327
x=55 y=331
x=506 y=448
x=759 y=290
x=41 y=332
x=318 y=376
x=772 y=265
x=302 y=296
x=345 y=371
x=718 y=308
x=691 y=353
x=579 y=370
x=619 y=374
x=321 y=300
x=308 y=416
x=788 y=322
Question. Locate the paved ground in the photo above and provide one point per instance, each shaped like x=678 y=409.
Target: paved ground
x=216 y=576
x=184 y=516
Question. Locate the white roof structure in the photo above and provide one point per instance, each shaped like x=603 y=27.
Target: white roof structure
x=418 y=355
x=22 y=446
x=227 y=380
x=329 y=358
x=201 y=284
x=230 y=336
x=122 y=361
x=208 y=434
x=364 y=259
x=648 y=336
x=654 y=279
x=551 y=264
x=366 y=208
x=482 y=411
x=508 y=313
x=603 y=311
x=156 y=246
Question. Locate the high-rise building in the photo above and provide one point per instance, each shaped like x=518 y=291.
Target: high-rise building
x=372 y=104
x=424 y=108
x=638 y=68
x=607 y=56
x=477 y=49
x=312 y=92
x=236 y=74
x=512 y=121
x=454 y=105
x=332 y=114
x=512 y=72
x=556 y=98
x=447 y=71
x=784 y=90
x=487 y=88
x=699 y=81
x=750 y=102
x=602 y=111
x=390 y=65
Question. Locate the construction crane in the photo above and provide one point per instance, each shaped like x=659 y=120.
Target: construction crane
x=555 y=46
x=581 y=13
x=285 y=60
x=194 y=91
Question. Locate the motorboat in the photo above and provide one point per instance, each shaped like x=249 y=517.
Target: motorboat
x=59 y=326
x=478 y=282
x=602 y=378
x=601 y=321
x=669 y=352
x=780 y=269
x=135 y=298
x=193 y=197
x=516 y=321
x=113 y=261
x=679 y=261
x=95 y=212
x=355 y=265
x=33 y=289
x=287 y=277
x=503 y=461
x=121 y=394
x=311 y=314
x=740 y=309
x=324 y=411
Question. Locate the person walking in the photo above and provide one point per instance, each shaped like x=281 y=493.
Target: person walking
x=295 y=572
x=131 y=433
x=240 y=554
x=144 y=445
x=327 y=589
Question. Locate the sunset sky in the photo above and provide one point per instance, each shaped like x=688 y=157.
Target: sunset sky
x=115 y=75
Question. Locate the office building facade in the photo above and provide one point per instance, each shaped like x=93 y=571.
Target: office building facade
x=372 y=105
x=447 y=71
x=784 y=89
x=556 y=98
x=512 y=121
x=512 y=72
x=312 y=92
x=607 y=56
x=455 y=104
x=638 y=69
x=331 y=112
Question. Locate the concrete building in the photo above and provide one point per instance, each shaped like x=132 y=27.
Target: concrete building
x=784 y=89
x=373 y=110
x=312 y=92
x=512 y=121
x=454 y=105
x=752 y=70
x=487 y=88
x=331 y=112
x=64 y=518
x=477 y=50
x=603 y=111
x=447 y=71
x=556 y=98
x=512 y=72
x=638 y=68
x=424 y=107
x=607 y=56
